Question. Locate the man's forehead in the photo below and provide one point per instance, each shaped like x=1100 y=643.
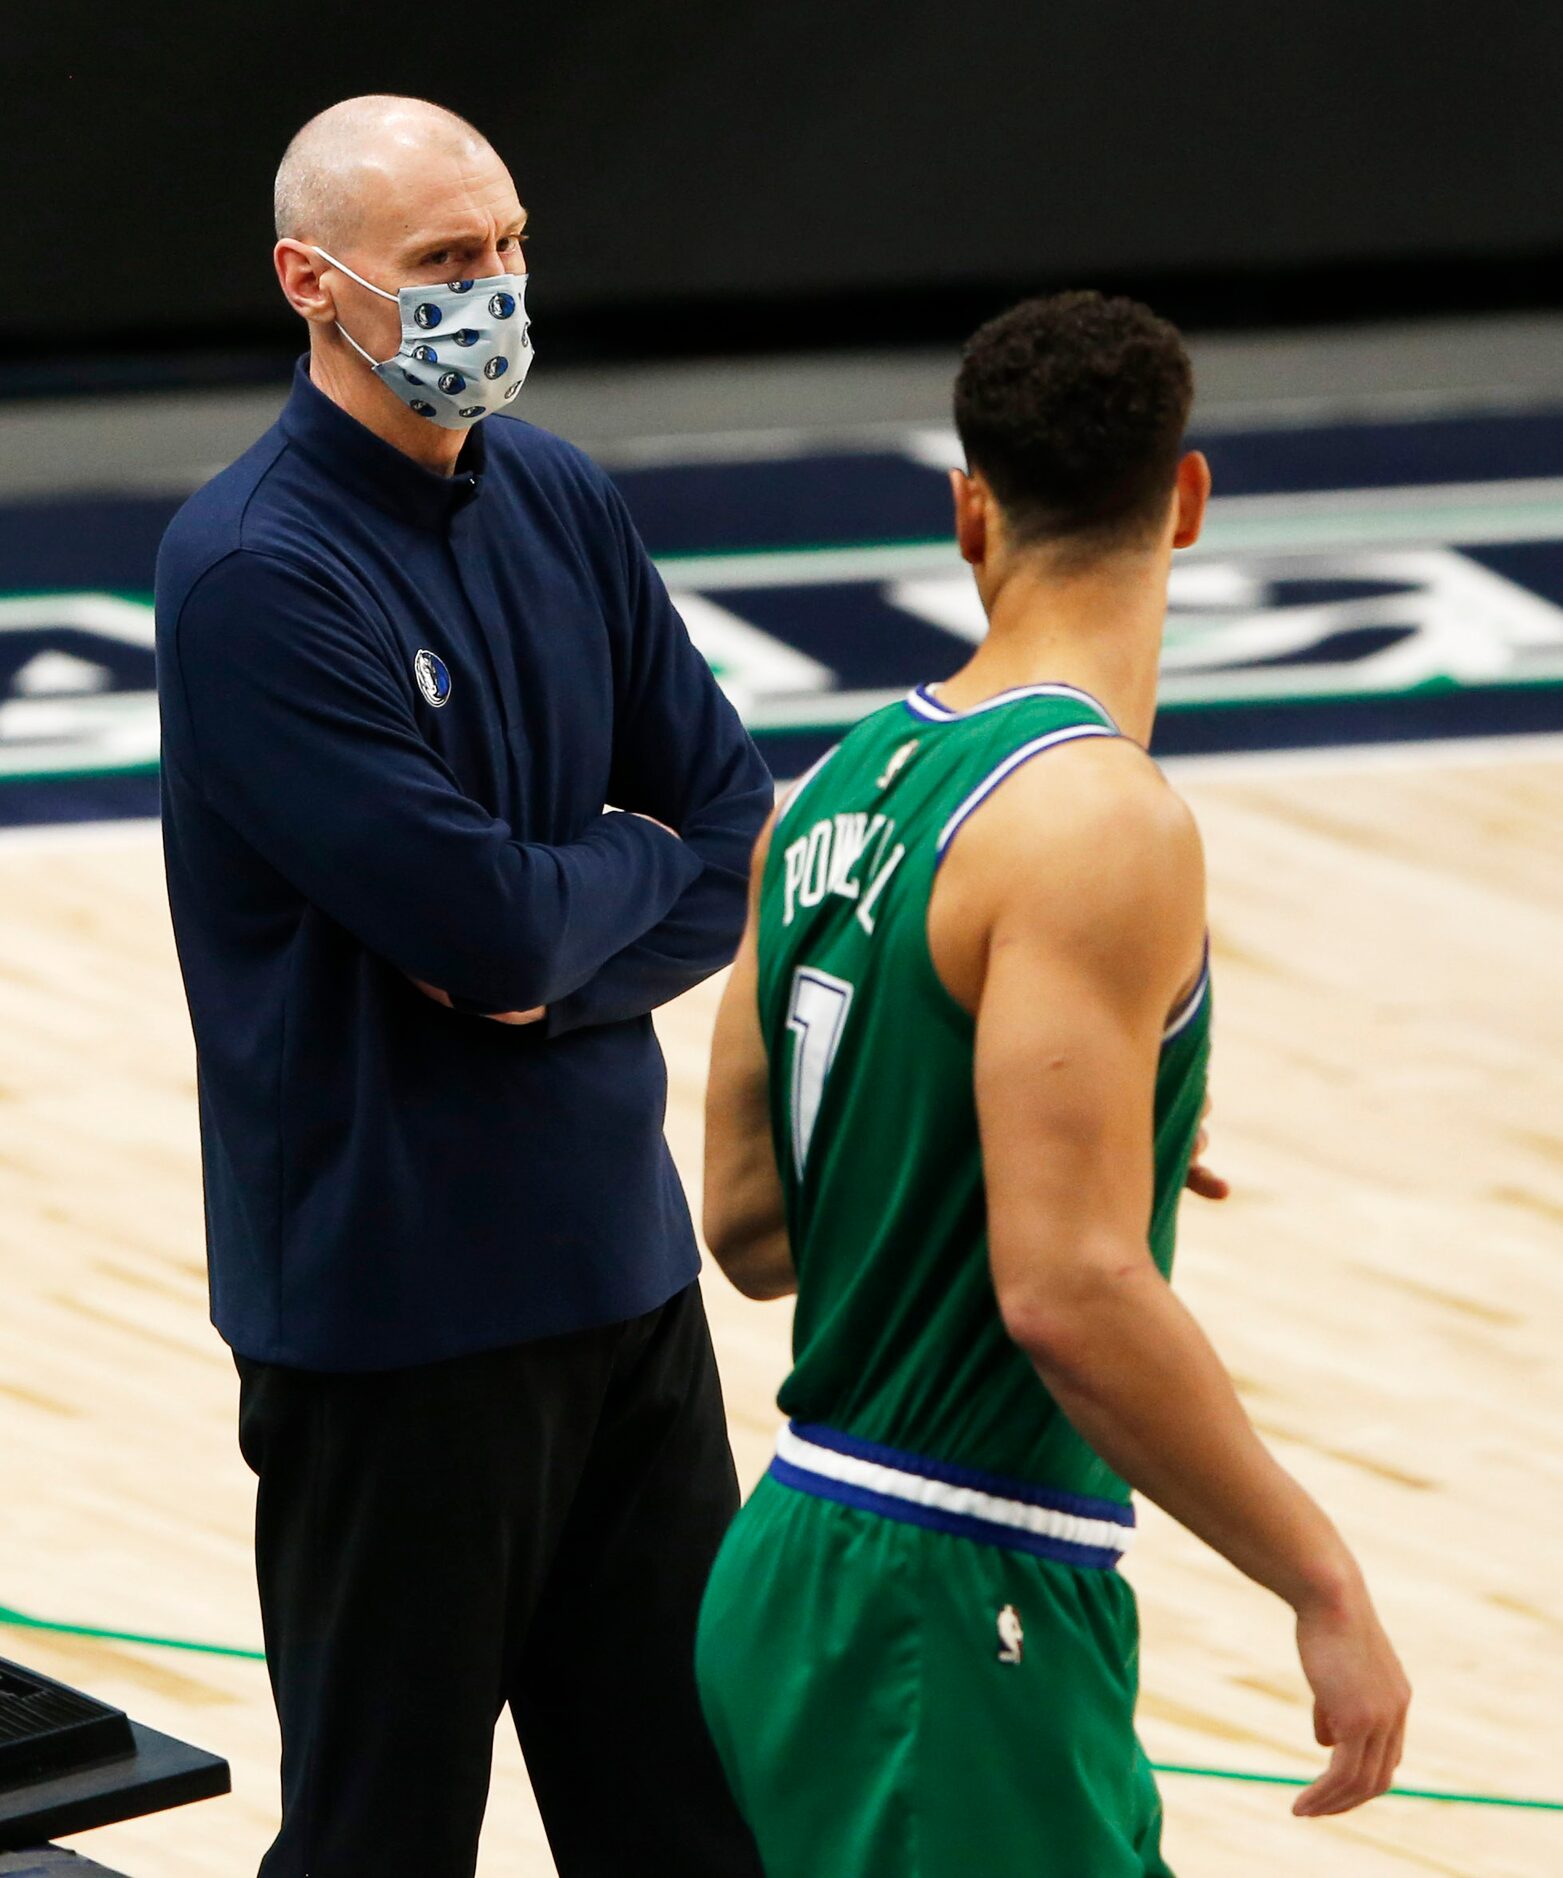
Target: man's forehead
x=464 y=222
x=445 y=197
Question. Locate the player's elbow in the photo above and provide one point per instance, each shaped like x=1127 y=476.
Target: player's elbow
x=727 y=1248
x=1054 y=1338
x=1064 y=1319
x=762 y=1280
x=752 y=1267
x=753 y=1255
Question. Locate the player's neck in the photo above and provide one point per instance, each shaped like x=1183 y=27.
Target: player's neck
x=1098 y=629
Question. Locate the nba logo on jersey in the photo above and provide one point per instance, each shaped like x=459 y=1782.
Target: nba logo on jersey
x=897 y=763
x=1012 y=1638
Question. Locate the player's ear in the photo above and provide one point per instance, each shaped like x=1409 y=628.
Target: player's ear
x=971 y=516
x=1193 y=492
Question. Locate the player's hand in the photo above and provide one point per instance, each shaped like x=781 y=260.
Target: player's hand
x=493 y=1017
x=1360 y=1698
x=1201 y=1179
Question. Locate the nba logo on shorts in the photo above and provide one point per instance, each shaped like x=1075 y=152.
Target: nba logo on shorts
x=1012 y=1638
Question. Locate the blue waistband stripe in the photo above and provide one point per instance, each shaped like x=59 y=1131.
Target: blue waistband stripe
x=1073 y=1529
x=953 y=1474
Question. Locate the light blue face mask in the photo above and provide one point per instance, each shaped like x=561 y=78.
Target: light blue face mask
x=466 y=346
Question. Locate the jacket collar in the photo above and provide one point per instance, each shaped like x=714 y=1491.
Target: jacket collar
x=372 y=468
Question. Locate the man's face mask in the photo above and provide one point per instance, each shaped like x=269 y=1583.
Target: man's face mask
x=466 y=346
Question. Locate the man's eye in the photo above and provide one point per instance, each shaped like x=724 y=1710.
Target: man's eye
x=439 y=255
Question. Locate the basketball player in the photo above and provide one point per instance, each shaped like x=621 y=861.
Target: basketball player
x=956 y=1091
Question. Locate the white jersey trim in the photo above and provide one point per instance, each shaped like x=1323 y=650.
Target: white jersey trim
x=925 y=704
x=1011 y=763
x=802 y=783
x=1179 y=1023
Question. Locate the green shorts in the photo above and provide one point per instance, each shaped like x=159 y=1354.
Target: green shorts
x=895 y=1701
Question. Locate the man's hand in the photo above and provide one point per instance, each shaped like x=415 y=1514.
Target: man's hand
x=1201 y=1180
x=493 y=1017
x=1360 y=1700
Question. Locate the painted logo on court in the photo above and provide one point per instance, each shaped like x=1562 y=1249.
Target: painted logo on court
x=1312 y=617
x=1249 y=628
x=77 y=685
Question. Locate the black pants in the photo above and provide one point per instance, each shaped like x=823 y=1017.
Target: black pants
x=530 y=1526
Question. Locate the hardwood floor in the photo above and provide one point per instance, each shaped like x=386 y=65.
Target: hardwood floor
x=1386 y=1283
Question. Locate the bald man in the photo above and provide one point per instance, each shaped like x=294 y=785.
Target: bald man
x=405 y=658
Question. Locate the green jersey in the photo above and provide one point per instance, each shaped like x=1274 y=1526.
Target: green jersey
x=898 y=1339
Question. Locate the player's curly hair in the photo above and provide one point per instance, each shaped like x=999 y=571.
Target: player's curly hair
x=1073 y=407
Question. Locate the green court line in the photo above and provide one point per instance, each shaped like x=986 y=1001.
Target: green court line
x=18 y=1620
x=1398 y=1793
x=138 y=767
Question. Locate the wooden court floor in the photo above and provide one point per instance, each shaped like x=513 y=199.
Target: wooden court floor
x=1386 y=1283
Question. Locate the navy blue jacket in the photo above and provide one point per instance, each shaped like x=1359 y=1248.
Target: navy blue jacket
x=390 y=1182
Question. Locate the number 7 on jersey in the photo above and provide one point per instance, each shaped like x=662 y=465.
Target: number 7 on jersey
x=816 y=1015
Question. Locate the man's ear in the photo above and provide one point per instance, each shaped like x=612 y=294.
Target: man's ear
x=971 y=516
x=299 y=270
x=1193 y=493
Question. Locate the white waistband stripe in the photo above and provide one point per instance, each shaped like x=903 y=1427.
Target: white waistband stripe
x=962 y=1502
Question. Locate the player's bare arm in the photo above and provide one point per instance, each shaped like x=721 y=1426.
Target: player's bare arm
x=1071 y=966
x=745 y=1224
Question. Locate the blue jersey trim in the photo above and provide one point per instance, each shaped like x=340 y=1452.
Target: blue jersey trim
x=1028 y=1492
x=1189 y=1009
x=959 y=1525
x=1055 y=739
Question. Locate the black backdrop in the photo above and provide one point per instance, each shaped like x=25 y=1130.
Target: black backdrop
x=713 y=172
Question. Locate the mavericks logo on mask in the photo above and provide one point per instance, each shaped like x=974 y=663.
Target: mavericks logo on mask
x=466 y=345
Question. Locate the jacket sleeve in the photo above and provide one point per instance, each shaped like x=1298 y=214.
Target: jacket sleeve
x=681 y=755
x=306 y=744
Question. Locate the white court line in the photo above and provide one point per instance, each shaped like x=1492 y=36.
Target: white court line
x=1411 y=515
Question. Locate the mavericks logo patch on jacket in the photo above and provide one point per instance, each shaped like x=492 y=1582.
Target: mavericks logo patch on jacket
x=433 y=679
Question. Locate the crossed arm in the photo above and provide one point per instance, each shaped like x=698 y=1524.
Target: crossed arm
x=306 y=745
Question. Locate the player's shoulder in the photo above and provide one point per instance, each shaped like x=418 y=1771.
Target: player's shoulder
x=1081 y=790
x=1096 y=817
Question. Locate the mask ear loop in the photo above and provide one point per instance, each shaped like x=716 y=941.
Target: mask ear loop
x=366 y=357
x=352 y=276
